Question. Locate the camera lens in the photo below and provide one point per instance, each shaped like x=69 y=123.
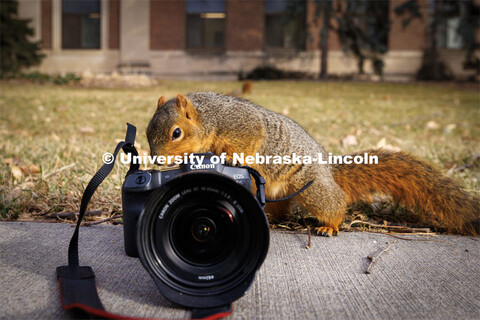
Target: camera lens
x=202 y=237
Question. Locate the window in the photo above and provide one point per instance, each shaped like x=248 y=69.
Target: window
x=205 y=24
x=285 y=24
x=448 y=37
x=457 y=22
x=81 y=24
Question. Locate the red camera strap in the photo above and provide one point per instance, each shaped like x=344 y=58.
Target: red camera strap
x=78 y=291
x=77 y=283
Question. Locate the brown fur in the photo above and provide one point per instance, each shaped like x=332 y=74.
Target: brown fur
x=415 y=185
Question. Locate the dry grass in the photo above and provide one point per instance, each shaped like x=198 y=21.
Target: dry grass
x=56 y=126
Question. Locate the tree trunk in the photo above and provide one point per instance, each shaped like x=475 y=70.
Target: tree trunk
x=324 y=40
x=433 y=39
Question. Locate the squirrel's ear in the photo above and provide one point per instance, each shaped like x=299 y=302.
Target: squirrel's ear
x=181 y=102
x=161 y=102
x=186 y=107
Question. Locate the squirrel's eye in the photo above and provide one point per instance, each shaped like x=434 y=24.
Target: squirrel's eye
x=176 y=133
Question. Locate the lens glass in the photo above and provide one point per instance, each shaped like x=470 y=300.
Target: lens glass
x=203 y=234
x=203 y=229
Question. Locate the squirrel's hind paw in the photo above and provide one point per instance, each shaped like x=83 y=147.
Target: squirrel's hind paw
x=327 y=231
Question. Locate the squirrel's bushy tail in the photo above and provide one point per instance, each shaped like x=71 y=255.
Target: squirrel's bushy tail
x=415 y=185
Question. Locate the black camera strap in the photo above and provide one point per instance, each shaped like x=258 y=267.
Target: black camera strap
x=77 y=283
x=260 y=182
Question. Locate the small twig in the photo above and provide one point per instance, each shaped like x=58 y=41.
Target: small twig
x=432 y=234
x=469 y=165
x=407 y=239
x=461 y=168
x=375 y=258
x=57 y=171
x=71 y=214
x=284 y=226
x=402 y=228
x=309 y=243
x=43 y=213
x=88 y=224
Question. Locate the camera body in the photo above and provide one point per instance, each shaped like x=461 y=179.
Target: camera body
x=139 y=185
x=197 y=229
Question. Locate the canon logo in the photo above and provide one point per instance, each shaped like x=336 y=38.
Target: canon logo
x=202 y=166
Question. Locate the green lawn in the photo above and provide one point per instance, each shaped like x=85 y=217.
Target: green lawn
x=57 y=126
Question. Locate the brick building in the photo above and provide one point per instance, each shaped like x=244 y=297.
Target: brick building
x=189 y=38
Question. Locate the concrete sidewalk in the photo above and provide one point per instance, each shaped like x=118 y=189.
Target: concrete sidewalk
x=414 y=280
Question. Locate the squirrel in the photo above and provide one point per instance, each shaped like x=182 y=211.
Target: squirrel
x=211 y=122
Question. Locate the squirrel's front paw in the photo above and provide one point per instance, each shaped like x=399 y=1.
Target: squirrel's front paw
x=327 y=231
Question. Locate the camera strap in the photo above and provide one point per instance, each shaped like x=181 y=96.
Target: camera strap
x=308 y=184
x=260 y=183
x=77 y=283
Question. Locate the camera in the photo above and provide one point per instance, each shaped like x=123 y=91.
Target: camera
x=197 y=229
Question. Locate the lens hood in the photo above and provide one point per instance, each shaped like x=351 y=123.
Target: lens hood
x=202 y=237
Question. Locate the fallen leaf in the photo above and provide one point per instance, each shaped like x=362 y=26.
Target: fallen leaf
x=8 y=161
x=349 y=140
x=30 y=169
x=33 y=169
x=87 y=130
x=16 y=173
x=17 y=191
x=382 y=144
x=432 y=125
x=55 y=137
x=26 y=186
x=449 y=128
x=25 y=216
